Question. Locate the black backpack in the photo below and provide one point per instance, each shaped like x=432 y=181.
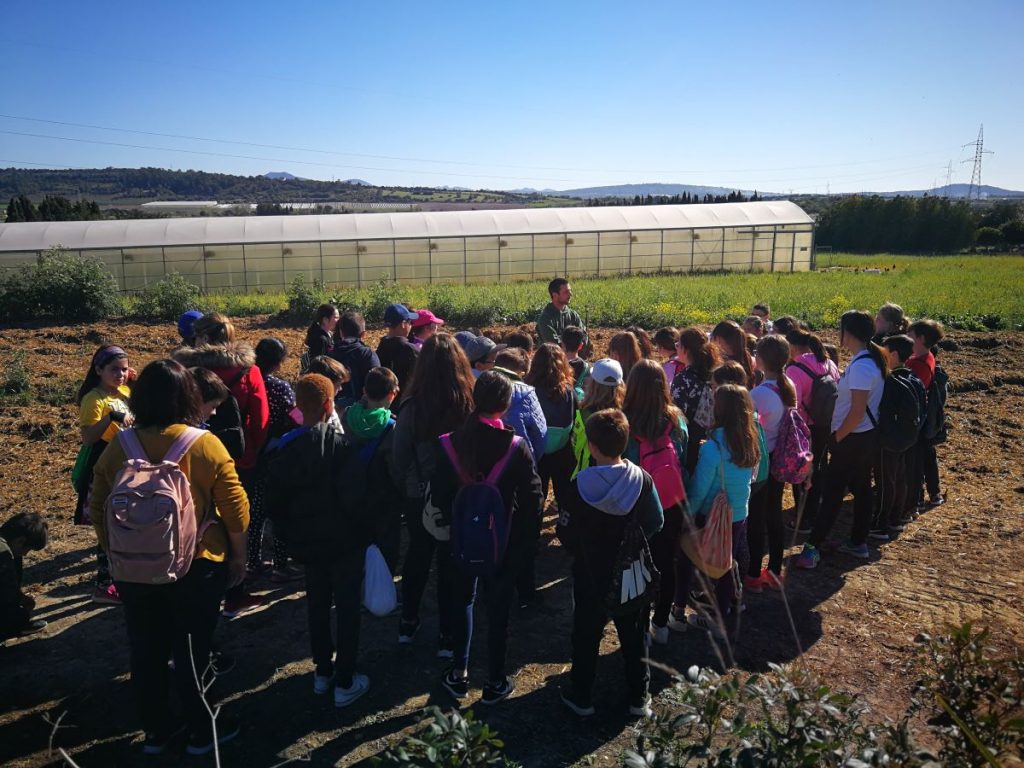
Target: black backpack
x=226 y=422
x=362 y=476
x=936 y=428
x=900 y=414
x=824 y=393
x=635 y=580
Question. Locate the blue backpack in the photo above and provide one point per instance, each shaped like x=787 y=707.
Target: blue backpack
x=480 y=520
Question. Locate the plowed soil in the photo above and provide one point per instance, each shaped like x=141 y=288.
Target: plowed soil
x=855 y=620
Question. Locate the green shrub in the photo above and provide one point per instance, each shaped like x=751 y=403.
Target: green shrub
x=450 y=740
x=304 y=299
x=61 y=288
x=167 y=298
x=379 y=295
x=974 y=700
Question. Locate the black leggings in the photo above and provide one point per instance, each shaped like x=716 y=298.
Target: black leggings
x=765 y=518
x=849 y=466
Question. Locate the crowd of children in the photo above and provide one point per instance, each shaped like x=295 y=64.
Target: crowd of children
x=455 y=439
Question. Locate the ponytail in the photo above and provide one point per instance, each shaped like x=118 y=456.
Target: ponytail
x=773 y=352
x=878 y=355
x=801 y=338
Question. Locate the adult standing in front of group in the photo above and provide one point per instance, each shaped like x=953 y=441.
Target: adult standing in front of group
x=557 y=316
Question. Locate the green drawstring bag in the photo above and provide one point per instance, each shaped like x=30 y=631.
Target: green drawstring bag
x=81 y=469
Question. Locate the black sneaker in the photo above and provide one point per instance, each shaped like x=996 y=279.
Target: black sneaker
x=455 y=684
x=202 y=743
x=896 y=528
x=879 y=534
x=493 y=693
x=937 y=500
x=407 y=630
x=156 y=743
x=35 y=625
x=583 y=707
x=221 y=663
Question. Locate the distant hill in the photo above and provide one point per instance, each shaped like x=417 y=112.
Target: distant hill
x=955 y=190
x=632 y=190
x=126 y=187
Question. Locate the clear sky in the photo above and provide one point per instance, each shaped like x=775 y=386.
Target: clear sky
x=777 y=96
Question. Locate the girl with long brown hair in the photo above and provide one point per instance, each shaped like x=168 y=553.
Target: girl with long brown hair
x=439 y=399
x=732 y=342
x=625 y=350
x=552 y=378
x=731 y=453
x=691 y=386
x=653 y=417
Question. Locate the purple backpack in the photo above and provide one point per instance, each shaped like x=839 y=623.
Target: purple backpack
x=792 y=458
x=480 y=521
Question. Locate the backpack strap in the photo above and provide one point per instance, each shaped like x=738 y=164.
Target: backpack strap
x=133 y=449
x=449 y=449
x=499 y=468
x=182 y=443
x=810 y=374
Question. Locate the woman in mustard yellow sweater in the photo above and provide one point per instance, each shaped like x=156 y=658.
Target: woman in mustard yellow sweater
x=163 y=620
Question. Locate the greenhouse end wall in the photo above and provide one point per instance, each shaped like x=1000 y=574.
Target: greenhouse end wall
x=356 y=263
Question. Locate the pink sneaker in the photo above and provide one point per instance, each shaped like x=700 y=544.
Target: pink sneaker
x=106 y=594
x=243 y=604
x=753 y=584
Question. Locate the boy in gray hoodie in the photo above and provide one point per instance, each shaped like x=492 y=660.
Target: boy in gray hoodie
x=604 y=499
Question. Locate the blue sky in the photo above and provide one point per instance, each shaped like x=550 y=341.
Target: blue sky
x=774 y=96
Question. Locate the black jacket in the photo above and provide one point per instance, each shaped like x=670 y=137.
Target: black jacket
x=305 y=493
x=319 y=341
x=595 y=530
x=519 y=485
x=358 y=359
x=399 y=354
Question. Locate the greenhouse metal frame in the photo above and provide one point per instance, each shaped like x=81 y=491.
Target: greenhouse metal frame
x=478 y=246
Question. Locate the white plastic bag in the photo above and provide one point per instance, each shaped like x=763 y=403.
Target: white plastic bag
x=379 y=595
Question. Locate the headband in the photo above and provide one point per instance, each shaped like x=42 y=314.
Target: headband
x=106 y=354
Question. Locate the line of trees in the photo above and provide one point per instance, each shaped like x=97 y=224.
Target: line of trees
x=684 y=199
x=52 y=208
x=916 y=225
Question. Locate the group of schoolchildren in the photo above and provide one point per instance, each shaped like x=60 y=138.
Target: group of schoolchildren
x=457 y=438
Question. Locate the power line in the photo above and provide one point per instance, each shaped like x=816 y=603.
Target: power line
x=979 y=152
x=239 y=142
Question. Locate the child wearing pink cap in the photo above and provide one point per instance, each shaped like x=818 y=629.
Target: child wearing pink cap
x=424 y=326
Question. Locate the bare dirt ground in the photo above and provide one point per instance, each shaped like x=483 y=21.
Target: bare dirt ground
x=855 y=620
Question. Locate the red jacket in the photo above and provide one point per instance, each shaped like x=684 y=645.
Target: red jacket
x=228 y=361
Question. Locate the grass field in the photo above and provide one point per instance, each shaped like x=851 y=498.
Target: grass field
x=972 y=292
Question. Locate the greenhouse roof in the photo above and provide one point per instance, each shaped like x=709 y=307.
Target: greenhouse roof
x=140 y=233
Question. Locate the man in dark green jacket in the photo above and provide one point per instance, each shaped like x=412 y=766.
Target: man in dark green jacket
x=556 y=316
x=23 y=533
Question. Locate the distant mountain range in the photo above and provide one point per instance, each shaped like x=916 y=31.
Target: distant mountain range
x=954 y=190
x=632 y=190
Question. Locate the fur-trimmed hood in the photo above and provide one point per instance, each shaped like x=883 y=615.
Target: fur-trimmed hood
x=236 y=354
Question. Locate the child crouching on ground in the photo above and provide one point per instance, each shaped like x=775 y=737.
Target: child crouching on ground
x=23 y=533
x=305 y=478
x=605 y=499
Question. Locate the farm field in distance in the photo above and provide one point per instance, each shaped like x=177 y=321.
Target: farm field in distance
x=970 y=291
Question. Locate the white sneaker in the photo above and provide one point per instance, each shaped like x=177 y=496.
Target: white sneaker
x=644 y=710
x=659 y=635
x=321 y=684
x=345 y=696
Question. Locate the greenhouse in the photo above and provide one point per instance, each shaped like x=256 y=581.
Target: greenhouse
x=248 y=253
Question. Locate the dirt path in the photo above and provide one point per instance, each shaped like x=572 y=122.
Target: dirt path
x=855 y=621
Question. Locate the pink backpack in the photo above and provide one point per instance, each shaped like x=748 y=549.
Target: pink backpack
x=658 y=457
x=792 y=458
x=152 y=534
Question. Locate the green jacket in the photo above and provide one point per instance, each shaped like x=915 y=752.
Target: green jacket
x=551 y=323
